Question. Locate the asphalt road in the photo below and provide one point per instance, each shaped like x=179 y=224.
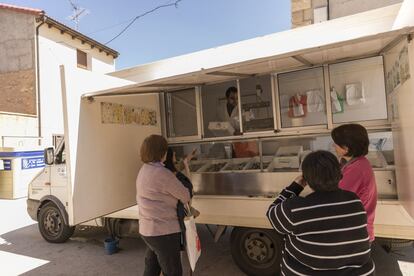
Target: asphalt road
x=23 y=251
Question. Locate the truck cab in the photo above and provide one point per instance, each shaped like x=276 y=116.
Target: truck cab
x=47 y=197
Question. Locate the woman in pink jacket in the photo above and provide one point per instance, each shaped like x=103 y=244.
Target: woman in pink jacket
x=351 y=145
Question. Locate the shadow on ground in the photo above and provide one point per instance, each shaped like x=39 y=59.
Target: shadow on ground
x=84 y=254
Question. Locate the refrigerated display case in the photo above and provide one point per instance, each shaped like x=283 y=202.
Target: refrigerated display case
x=214 y=172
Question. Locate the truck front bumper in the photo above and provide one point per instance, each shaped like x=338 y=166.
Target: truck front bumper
x=32 y=208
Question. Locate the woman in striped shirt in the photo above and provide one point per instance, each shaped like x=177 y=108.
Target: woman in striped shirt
x=325 y=232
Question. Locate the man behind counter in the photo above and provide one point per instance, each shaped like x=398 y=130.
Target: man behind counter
x=232 y=112
x=240 y=149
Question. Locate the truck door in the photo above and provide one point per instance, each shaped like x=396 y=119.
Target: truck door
x=399 y=72
x=58 y=175
x=102 y=138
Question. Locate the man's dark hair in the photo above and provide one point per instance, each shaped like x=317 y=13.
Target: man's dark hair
x=169 y=160
x=352 y=136
x=153 y=148
x=321 y=171
x=231 y=89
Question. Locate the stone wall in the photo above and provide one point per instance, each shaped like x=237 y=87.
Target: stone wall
x=302 y=10
x=17 y=63
x=339 y=8
x=18 y=94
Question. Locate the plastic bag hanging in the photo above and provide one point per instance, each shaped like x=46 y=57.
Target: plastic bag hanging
x=336 y=102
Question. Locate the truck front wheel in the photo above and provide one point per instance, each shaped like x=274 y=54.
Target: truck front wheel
x=256 y=251
x=52 y=226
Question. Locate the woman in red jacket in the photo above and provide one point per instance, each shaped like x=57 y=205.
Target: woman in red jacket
x=351 y=145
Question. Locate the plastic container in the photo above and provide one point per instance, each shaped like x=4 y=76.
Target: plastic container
x=236 y=164
x=254 y=164
x=111 y=245
x=287 y=157
x=213 y=166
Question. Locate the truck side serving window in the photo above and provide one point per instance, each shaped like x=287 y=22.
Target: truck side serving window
x=302 y=98
x=359 y=89
x=220 y=113
x=256 y=103
x=181 y=113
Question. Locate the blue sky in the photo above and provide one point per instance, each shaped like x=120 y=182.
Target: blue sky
x=193 y=26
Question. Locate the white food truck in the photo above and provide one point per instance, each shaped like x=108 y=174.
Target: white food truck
x=293 y=87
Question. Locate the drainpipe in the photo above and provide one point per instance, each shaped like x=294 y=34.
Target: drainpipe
x=328 y=12
x=39 y=117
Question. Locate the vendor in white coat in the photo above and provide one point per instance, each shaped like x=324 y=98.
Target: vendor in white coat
x=231 y=115
x=231 y=112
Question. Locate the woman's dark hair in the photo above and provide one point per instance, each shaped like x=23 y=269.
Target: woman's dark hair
x=153 y=148
x=352 y=136
x=169 y=161
x=231 y=89
x=321 y=171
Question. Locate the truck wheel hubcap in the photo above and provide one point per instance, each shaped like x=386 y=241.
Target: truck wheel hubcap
x=52 y=222
x=259 y=248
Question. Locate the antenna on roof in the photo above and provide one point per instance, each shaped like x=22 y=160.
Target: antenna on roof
x=77 y=13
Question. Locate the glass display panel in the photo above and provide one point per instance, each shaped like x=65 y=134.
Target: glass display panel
x=256 y=100
x=220 y=156
x=181 y=113
x=380 y=151
x=220 y=113
x=302 y=98
x=358 y=90
x=278 y=154
x=281 y=155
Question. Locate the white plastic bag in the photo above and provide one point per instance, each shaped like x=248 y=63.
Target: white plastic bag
x=354 y=94
x=193 y=245
x=314 y=101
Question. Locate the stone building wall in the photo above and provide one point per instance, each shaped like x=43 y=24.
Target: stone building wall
x=17 y=63
x=302 y=10
x=18 y=103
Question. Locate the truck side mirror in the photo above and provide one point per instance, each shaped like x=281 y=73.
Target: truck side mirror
x=49 y=156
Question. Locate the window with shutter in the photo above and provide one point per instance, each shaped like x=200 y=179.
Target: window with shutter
x=82 y=59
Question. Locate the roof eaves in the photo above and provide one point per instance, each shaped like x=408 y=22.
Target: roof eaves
x=75 y=34
x=21 y=9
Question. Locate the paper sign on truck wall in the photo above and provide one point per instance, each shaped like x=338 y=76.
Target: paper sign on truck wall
x=33 y=163
x=113 y=113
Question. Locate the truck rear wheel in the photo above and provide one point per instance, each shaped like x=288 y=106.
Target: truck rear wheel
x=51 y=224
x=256 y=251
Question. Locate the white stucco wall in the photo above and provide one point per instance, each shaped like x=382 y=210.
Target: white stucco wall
x=17 y=125
x=56 y=49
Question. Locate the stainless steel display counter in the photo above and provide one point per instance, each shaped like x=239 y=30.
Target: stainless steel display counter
x=267 y=184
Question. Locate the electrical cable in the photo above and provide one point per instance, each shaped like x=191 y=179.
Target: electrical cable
x=109 y=27
x=175 y=4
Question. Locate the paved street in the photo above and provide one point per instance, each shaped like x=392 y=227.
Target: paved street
x=23 y=251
